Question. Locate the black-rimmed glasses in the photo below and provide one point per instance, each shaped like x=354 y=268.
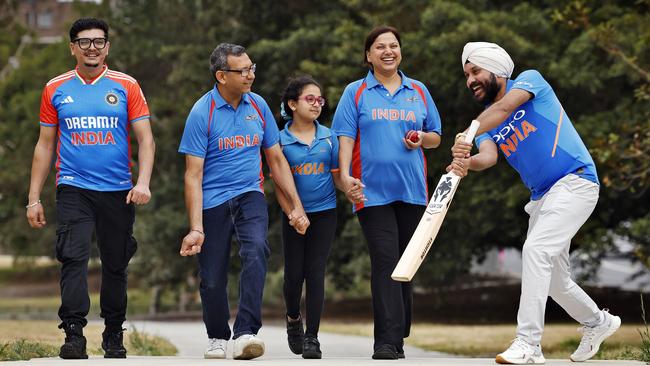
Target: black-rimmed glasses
x=84 y=43
x=244 y=72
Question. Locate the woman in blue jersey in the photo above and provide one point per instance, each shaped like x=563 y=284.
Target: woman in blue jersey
x=371 y=120
x=312 y=152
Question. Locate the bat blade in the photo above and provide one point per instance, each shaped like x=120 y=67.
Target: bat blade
x=430 y=223
x=427 y=229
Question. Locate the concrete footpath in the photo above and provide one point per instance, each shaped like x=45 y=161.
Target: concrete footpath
x=339 y=350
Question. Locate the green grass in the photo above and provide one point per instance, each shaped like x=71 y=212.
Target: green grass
x=146 y=345
x=23 y=349
x=22 y=340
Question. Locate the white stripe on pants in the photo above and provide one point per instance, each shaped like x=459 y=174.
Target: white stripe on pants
x=554 y=220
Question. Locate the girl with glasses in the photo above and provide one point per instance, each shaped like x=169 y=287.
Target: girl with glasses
x=312 y=152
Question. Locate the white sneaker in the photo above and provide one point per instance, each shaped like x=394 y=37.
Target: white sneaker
x=592 y=337
x=216 y=348
x=521 y=352
x=247 y=347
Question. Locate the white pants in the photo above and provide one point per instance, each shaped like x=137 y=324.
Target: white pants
x=554 y=220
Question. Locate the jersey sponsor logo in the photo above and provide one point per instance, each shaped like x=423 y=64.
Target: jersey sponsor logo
x=67 y=177
x=392 y=114
x=308 y=169
x=238 y=142
x=251 y=117
x=90 y=122
x=516 y=131
x=413 y=99
x=112 y=99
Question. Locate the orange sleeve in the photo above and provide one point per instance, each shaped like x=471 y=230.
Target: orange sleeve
x=137 y=104
x=48 y=114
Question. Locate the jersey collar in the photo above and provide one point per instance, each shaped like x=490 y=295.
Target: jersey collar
x=372 y=82
x=289 y=138
x=93 y=81
x=219 y=102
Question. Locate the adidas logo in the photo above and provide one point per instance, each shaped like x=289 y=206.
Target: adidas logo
x=67 y=100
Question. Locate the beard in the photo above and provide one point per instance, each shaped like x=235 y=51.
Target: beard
x=491 y=89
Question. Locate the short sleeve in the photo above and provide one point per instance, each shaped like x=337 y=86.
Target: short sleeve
x=482 y=137
x=334 y=164
x=195 y=136
x=531 y=81
x=137 y=104
x=48 y=115
x=271 y=132
x=346 y=117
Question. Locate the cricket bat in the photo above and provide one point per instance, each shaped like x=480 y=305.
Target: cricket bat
x=430 y=223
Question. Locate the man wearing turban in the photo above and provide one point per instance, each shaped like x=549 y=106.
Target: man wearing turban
x=526 y=122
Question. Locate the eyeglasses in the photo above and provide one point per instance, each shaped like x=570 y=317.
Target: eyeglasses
x=84 y=43
x=312 y=99
x=244 y=72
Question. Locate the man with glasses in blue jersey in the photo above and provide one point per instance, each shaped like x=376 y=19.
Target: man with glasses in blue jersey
x=224 y=134
x=526 y=121
x=85 y=117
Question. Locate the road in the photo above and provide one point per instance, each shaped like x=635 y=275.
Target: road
x=338 y=350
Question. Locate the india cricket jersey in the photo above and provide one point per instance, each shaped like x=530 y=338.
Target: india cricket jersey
x=229 y=140
x=539 y=140
x=93 y=121
x=378 y=122
x=312 y=166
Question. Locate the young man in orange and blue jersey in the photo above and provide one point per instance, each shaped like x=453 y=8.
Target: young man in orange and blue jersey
x=86 y=115
x=525 y=121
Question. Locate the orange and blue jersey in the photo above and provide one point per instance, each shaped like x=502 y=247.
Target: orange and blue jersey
x=538 y=139
x=229 y=141
x=93 y=119
x=378 y=122
x=312 y=166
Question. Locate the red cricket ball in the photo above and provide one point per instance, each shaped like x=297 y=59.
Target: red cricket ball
x=413 y=135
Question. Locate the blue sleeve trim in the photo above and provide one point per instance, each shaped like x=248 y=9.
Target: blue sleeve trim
x=196 y=153
x=138 y=119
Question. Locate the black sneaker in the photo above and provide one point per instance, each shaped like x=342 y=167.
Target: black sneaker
x=400 y=353
x=113 y=343
x=75 y=342
x=311 y=348
x=385 y=352
x=295 y=335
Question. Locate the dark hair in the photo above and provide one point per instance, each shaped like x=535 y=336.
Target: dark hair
x=83 y=24
x=376 y=32
x=219 y=57
x=294 y=89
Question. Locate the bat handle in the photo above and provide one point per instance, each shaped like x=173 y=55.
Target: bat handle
x=471 y=131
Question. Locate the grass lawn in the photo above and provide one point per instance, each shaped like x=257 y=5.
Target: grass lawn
x=32 y=338
x=560 y=340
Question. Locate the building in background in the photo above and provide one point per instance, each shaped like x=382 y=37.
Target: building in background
x=48 y=19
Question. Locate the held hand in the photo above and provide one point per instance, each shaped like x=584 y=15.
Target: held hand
x=298 y=220
x=192 y=243
x=36 y=216
x=139 y=195
x=353 y=189
x=300 y=224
